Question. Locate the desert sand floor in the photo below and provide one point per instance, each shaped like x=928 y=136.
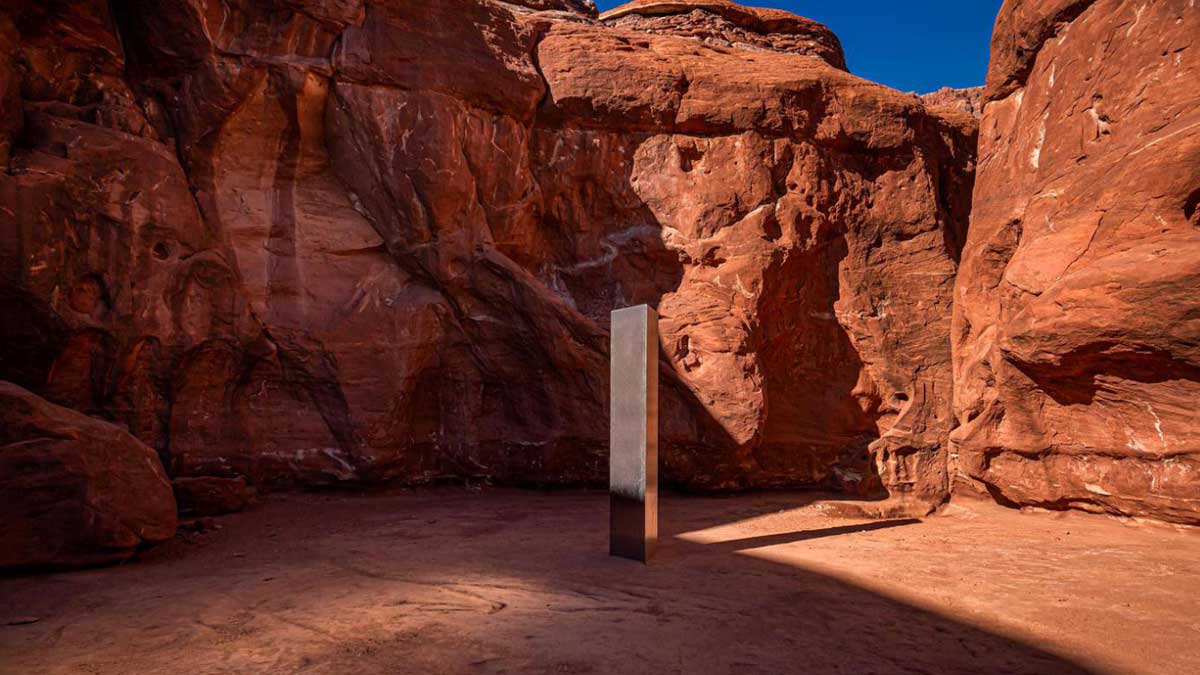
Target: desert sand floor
x=505 y=581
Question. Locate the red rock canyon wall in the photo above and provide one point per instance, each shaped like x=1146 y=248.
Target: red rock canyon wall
x=316 y=242
x=349 y=241
x=1077 y=323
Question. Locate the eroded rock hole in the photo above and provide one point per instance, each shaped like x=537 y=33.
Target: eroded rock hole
x=688 y=156
x=1189 y=207
x=89 y=295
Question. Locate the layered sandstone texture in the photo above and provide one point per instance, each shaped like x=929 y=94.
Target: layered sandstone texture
x=325 y=242
x=969 y=100
x=1077 y=312
x=74 y=490
x=721 y=23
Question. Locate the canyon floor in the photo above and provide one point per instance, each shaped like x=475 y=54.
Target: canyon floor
x=506 y=581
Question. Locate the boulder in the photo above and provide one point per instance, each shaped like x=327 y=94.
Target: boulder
x=74 y=490
x=212 y=495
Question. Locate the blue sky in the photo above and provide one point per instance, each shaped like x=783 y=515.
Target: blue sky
x=919 y=45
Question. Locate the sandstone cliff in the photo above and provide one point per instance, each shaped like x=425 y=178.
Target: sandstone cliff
x=1076 y=330
x=311 y=242
x=339 y=241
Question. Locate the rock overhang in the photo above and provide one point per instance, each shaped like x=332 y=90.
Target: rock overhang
x=737 y=25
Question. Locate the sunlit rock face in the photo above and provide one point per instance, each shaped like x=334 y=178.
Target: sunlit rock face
x=314 y=242
x=1077 y=328
x=804 y=226
x=969 y=100
x=725 y=24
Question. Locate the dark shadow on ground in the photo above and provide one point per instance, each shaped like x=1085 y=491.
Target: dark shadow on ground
x=804 y=535
x=503 y=581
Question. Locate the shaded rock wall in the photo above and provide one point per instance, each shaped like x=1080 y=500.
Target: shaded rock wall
x=1076 y=328
x=318 y=242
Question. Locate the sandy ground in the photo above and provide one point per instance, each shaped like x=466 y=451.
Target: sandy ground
x=499 y=581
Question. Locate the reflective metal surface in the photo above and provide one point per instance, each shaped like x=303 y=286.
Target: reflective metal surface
x=633 y=433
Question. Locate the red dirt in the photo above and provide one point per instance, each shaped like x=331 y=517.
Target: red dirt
x=508 y=581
